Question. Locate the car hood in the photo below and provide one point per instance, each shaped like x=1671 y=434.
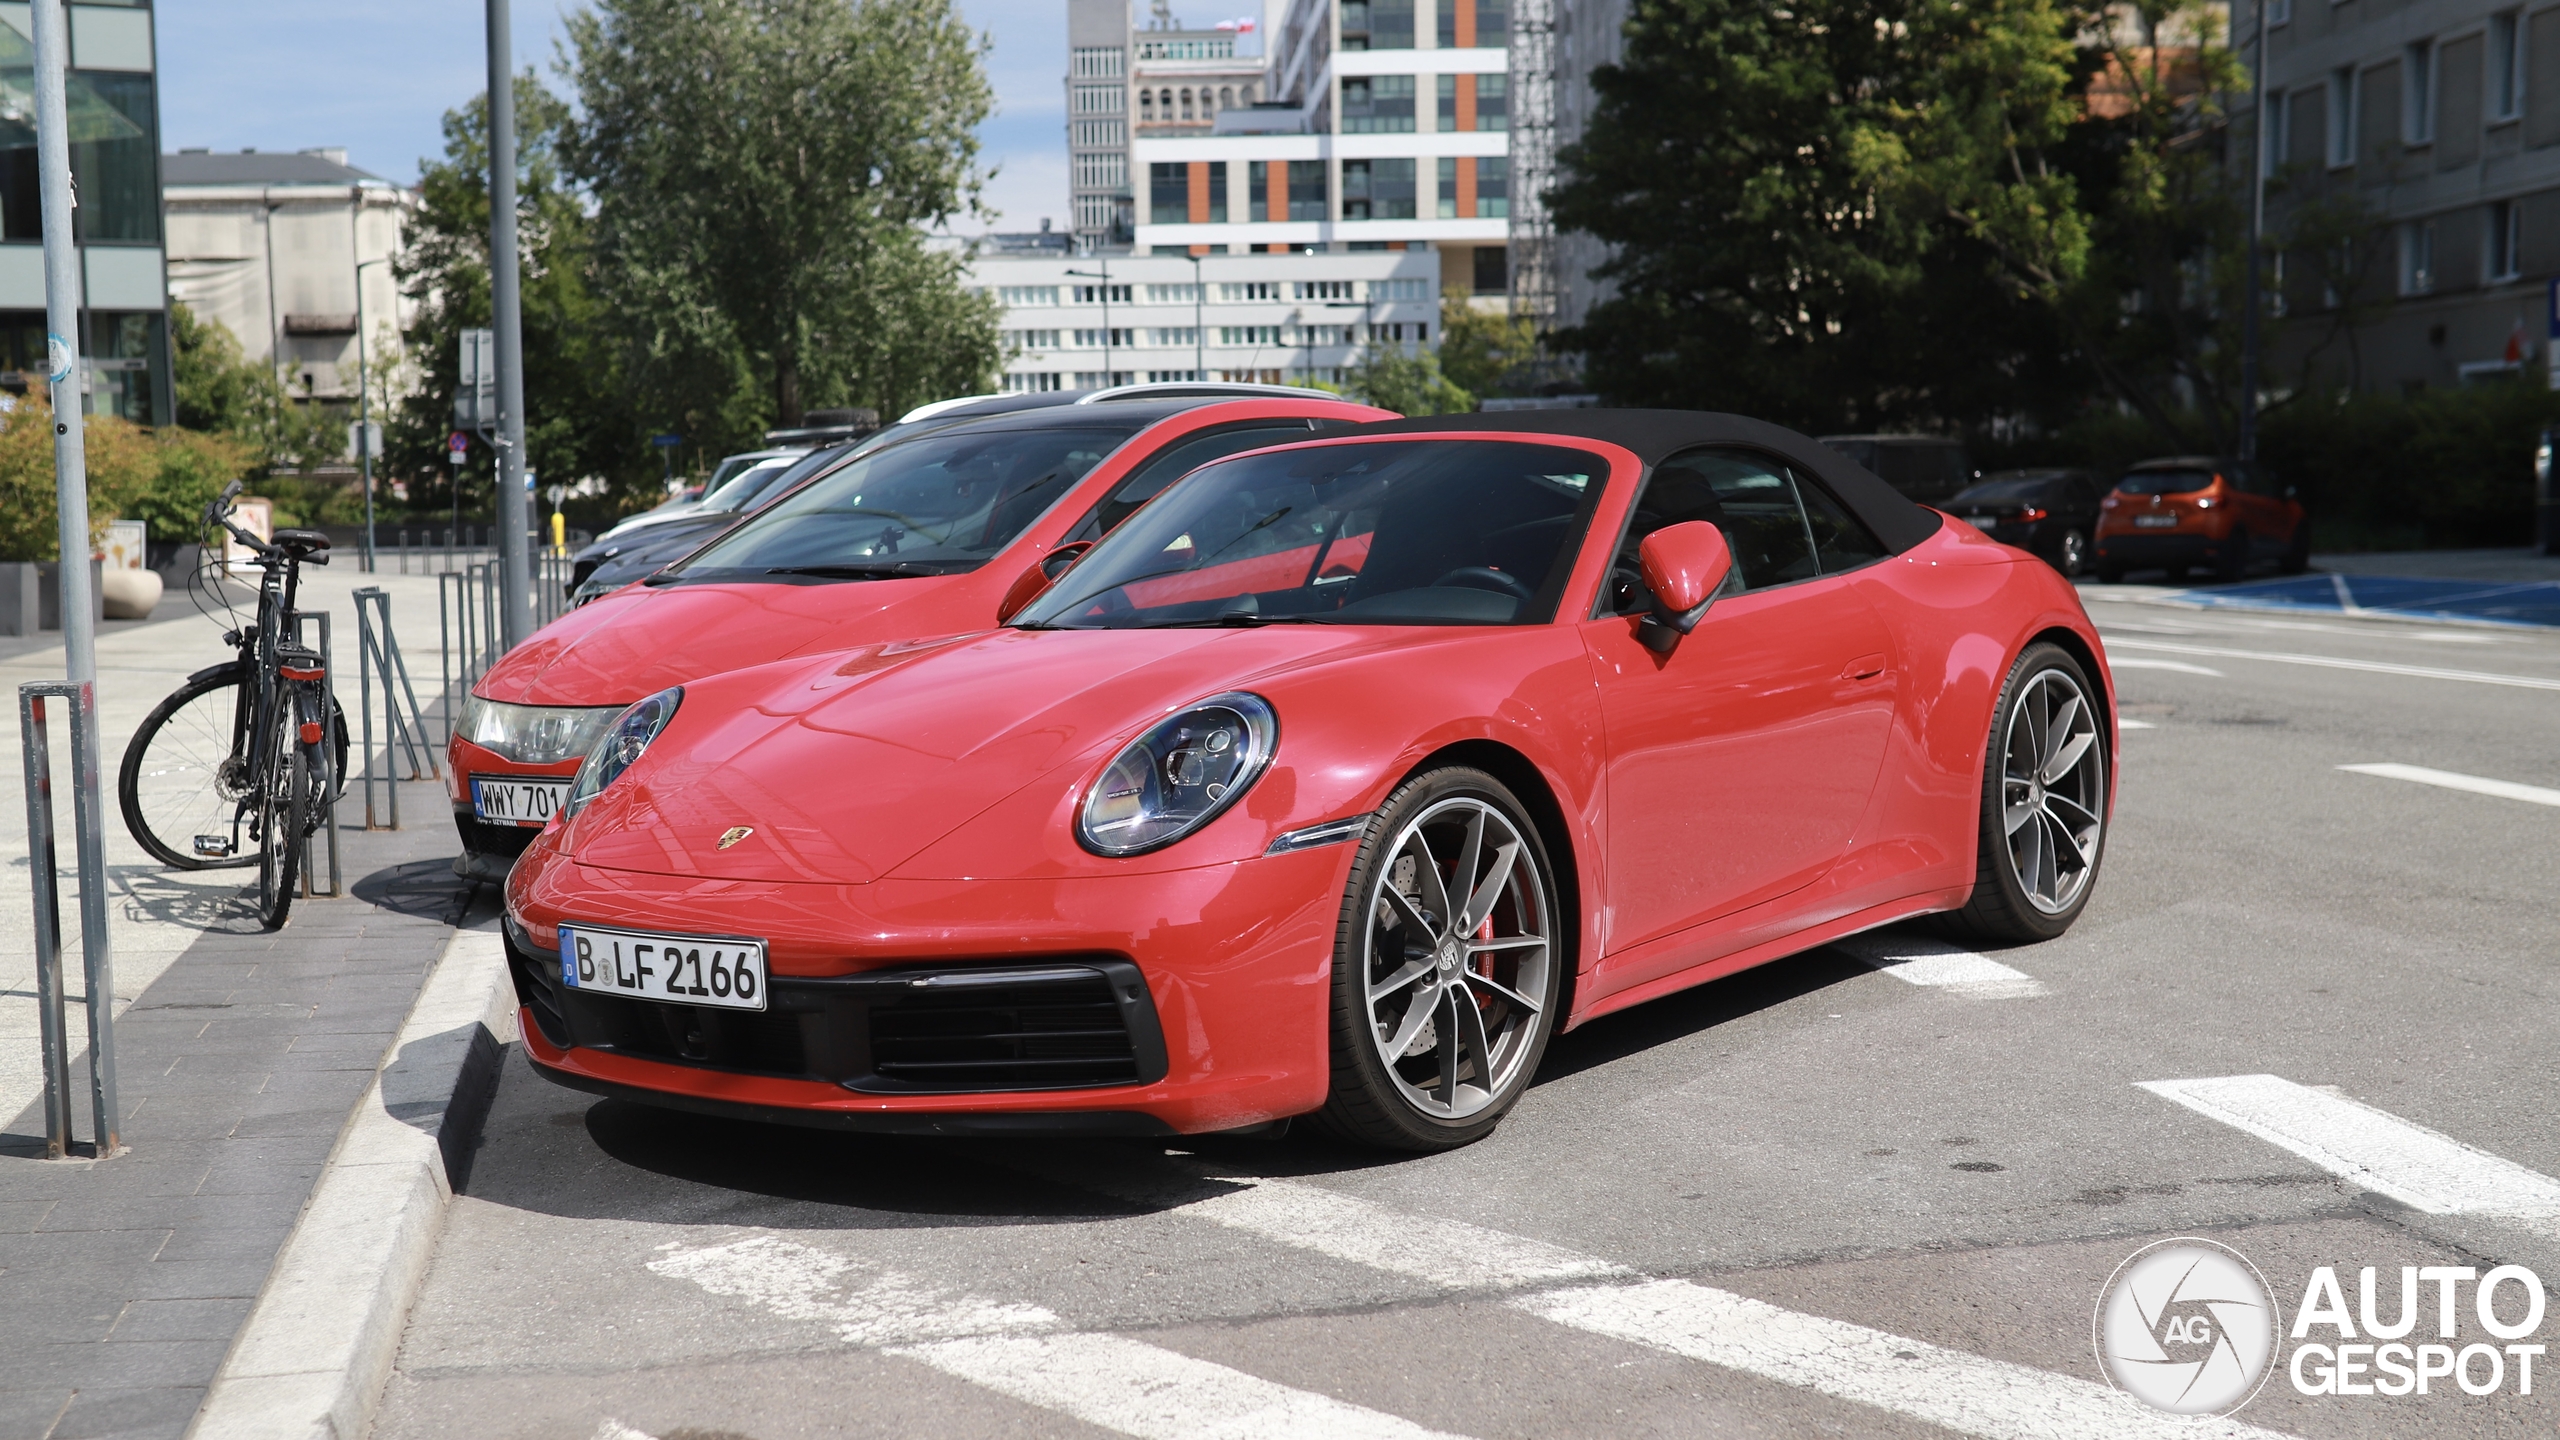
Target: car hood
x=638 y=641
x=847 y=766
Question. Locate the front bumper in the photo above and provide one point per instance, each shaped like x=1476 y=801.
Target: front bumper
x=493 y=845
x=1176 y=1002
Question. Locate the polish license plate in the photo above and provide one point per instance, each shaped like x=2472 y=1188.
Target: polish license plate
x=1983 y=522
x=721 y=971
x=2155 y=522
x=502 y=801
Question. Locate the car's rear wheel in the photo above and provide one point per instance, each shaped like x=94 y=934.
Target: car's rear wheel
x=2073 y=555
x=1447 y=965
x=2044 y=803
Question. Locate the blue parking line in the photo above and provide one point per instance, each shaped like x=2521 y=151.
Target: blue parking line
x=2527 y=603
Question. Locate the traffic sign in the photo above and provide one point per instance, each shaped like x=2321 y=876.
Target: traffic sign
x=455 y=445
x=665 y=442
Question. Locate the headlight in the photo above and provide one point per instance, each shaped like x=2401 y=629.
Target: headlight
x=621 y=745
x=1178 y=776
x=534 y=734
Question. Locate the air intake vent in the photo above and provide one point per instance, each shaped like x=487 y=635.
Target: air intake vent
x=1050 y=1028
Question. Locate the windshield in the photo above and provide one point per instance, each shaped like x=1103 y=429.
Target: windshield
x=1475 y=532
x=2164 y=482
x=937 y=505
x=746 y=485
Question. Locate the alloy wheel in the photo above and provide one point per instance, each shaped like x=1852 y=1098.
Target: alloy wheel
x=1457 y=956
x=2053 y=791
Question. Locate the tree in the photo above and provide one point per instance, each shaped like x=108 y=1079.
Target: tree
x=1832 y=212
x=1407 y=384
x=218 y=387
x=764 y=172
x=1480 y=350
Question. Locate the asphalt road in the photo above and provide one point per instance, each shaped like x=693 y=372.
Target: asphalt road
x=1823 y=1198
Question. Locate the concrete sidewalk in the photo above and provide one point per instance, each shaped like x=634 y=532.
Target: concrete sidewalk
x=122 y=1282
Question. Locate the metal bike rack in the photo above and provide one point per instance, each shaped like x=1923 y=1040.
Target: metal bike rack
x=378 y=657
x=98 y=967
x=337 y=876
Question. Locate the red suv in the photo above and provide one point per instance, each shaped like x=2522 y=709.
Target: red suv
x=2193 y=511
x=923 y=537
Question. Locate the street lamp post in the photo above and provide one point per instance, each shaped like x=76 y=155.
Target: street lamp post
x=364 y=411
x=1104 y=275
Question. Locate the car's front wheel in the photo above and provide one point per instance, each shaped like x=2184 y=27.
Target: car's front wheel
x=2072 y=555
x=1447 y=966
x=2044 y=803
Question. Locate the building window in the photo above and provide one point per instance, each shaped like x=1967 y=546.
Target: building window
x=2418 y=93
x=1493 y=270
x=1032 y=383
x=1493 y=102
x=1097 y=64
x=1493 y=188
x=1014 y=297
x=1107 y=170
x=1173 y=335
x=115 y=161
x=1113 y=133
x=2506 y=65
x=1095 y=295
x=1306 y=190
x=2417 y=257
x=1169 y=193
x=1115 y=337
x=2342 y=116
x=1322 y=290
x=1468 y=23
x=1377 y=105
x=1413 y=288
x=1248 y=334
x=2502 y=241
x=1226 y=97
x=1248 y=291
x=2279 y=114
x=2279 y=11
x=1447 y=208
x=1377 y=24
x=1218 y=192
x=1031 y=339
x=1377 y=190
x=1257 y=191
x=1100 y=100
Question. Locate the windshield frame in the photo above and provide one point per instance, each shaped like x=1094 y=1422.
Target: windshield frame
x=1577 y=572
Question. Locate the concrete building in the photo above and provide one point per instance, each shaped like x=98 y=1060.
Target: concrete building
x=2434 y=126
x=1099 y=202
x=114 y=93
x=268 y=245
x=1075 y=322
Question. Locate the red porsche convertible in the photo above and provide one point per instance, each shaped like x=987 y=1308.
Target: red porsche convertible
x=1331 y=784
x=919 y=537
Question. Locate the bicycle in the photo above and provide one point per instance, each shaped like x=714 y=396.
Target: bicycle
x=255 y=744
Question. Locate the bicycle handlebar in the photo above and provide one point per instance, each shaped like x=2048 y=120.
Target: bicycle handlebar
x=219 y=513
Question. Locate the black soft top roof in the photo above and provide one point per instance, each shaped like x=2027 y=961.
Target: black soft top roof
x=1656 y=435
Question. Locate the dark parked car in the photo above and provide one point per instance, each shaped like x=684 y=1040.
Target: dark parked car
x=614 y=562
x=2050 y=514
x=1926 y=468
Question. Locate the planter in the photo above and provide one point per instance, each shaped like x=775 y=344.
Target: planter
x=49 y=593
x=21 y=608
x=128 y=593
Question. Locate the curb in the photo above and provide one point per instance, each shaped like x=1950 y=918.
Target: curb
x=318 y=1346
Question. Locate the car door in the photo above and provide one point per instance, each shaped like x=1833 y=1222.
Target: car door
x=1741 y=762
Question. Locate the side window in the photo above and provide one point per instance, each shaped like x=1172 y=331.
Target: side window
x=1839 y=541
x=1142 y=484
x=1751 y=499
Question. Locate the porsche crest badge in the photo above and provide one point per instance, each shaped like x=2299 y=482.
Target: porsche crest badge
x=734 y=834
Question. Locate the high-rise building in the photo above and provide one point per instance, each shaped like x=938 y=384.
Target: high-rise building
x=1099 y=204
x=115 y=166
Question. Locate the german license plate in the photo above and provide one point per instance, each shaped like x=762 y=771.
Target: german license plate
x=503 y=801
x=2155 y=522
x=721 y=971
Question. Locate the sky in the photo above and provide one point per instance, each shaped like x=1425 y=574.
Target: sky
x=376 y=76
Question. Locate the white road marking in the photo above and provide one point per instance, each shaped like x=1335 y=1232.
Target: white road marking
x=613 y=1429
x=2377 y=632
x=1140 y=1389
x=1942 y=966
x=2135 y=725
x=2334 y=662
x=2123 y=662
x=1978 y=1396
x=2503 y=789
x=2432 y=1173
x=1961 y=1392
x=1020 y=1350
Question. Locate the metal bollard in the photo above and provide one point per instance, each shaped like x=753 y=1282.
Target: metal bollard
x=98 y=964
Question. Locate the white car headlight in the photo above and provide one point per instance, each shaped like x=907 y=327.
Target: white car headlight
x=534 y=734
x=1178 y=776
x=624 y=743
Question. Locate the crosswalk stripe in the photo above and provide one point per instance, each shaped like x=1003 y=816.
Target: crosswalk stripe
x=1949 y=1388
x=2135 y=725
x=1021 y=1350
x=2127 y=662
x=2428 y=1172
x=2450 y=780
x=2335 y=662
x=1991 y=1398
x=1939 y=965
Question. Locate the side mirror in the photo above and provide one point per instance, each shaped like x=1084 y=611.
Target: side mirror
x=1035 y=582
x=1683 y=565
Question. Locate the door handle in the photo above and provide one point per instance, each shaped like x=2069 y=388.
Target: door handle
x=1865 y=667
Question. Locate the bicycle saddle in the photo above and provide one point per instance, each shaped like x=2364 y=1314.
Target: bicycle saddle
x=301 y=543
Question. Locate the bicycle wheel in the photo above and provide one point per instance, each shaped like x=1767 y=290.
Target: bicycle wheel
x=284 y=803
x=181 y=784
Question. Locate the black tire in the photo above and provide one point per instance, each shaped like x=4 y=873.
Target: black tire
x=2235 y=558
x=2002 y=909
x=190 y=733
x=2297 y=551
x=283 y=810
x=1387 y=1104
